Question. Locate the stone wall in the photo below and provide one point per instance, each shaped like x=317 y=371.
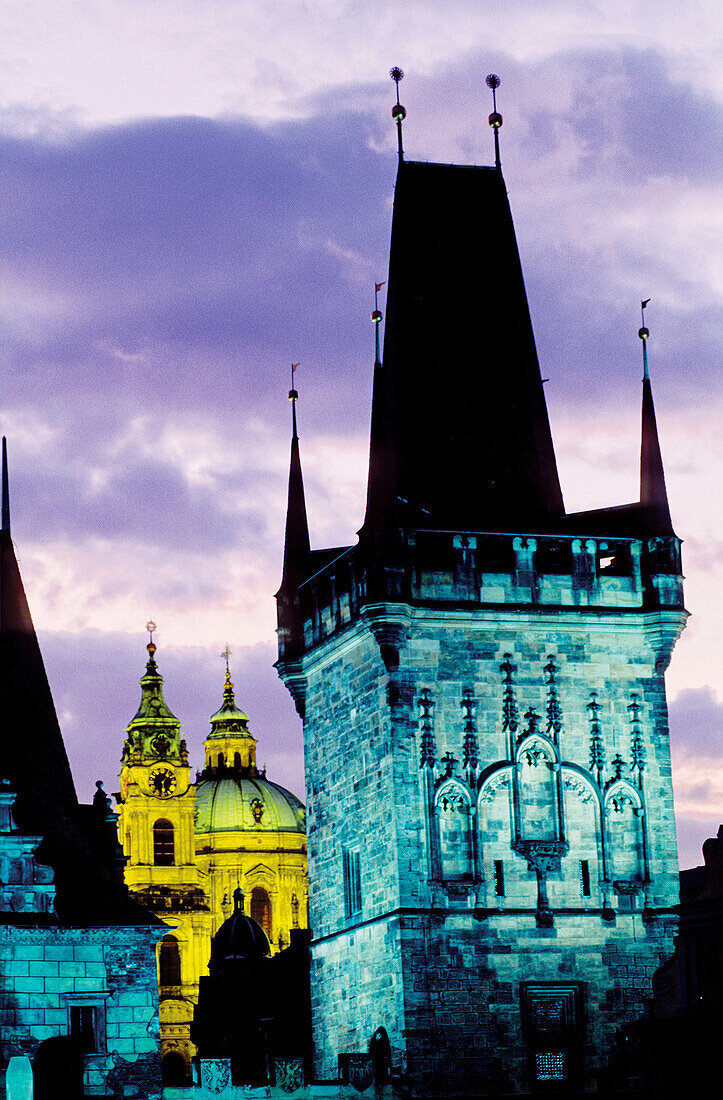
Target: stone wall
x=48 y=970
x=529 y=739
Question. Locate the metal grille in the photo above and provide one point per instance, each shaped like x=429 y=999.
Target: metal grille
x=551 y=1065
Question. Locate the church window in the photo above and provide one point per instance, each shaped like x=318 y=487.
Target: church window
x=352 y=882
x=237 y=760
x=294 y=911
x=221 y=760
x=551 y=1020
x=585 y=878
x=261 y=908
x=163 y=844
x=499 y=875
x=169 y=962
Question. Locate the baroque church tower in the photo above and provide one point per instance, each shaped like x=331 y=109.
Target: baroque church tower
x=157 y=806
x=492 y=849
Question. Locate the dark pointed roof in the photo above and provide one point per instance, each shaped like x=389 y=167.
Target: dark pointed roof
x=34 y=760
x=32 y=754
x=296 y=544
x=460 y=433
x=653 y=494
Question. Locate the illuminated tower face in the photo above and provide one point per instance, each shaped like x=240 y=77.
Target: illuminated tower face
x=156 y=823
x=492 y=852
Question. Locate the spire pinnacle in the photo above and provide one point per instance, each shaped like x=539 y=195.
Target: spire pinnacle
x=644 y=334
x=293 y=398
x=398 y=112
x=377 y=320
x=495 y=119
x=5 y=490
x=653 y=493
x=296 y=545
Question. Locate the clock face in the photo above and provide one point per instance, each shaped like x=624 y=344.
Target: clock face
x=163 y=782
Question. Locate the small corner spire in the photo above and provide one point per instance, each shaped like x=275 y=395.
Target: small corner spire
x=398 y=112
x=653 y=492
x=377 y=320
x=495 y=119
x=297 y=546
x=5 y=490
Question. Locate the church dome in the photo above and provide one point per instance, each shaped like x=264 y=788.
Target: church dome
x=239 y=937
x=232 y=802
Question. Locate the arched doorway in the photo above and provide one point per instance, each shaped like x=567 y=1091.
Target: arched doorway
x=173 y=1068
x=58 y=1059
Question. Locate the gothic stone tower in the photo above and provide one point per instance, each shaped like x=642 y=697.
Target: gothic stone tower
x=492 y=852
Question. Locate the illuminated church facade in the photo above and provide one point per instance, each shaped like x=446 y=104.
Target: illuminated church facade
x=481 y=678
x=190 y=843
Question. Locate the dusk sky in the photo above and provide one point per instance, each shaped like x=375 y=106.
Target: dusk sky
x=197 y=195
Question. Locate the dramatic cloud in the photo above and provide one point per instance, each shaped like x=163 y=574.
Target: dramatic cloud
x=195 y=198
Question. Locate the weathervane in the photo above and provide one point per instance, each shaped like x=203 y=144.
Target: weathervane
x=377 y=319
x=643 y=333
x=495 y=119
x=398 y=112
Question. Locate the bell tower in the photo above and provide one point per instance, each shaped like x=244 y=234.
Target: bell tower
x=492 y=849
x=157 y=805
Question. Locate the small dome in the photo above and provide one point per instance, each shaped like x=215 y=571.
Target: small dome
x=231 y=802
x=239 y=937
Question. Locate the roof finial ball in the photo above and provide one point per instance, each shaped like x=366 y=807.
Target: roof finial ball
x=495 y=119
x=398 y=112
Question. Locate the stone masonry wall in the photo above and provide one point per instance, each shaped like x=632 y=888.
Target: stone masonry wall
x=45 y=970
x=453 y=944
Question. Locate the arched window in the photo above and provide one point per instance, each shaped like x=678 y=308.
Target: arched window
x=221 y=760
x=261 y=908
x=237 y=760
x=163 y=846
x=454 y=833
x=169 y=962
x=173 y=1069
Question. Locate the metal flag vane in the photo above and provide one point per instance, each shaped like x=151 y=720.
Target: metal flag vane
x=398 y=112
x=643 y=333
x=377 y=319
x=293 y=396
x=495 y=119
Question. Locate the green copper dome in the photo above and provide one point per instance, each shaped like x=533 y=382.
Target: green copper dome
x=232 y=803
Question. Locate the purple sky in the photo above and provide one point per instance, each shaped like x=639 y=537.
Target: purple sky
x=196 y=196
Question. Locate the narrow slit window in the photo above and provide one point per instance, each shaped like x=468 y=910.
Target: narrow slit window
x=352 y=882
x=585 y=878
x=83 y=1027
x=499 y=878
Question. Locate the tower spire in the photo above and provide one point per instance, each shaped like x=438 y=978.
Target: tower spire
x=495 y=119
x=398 y=112
x=653 y=493
x=5 y=490
x=296 y=545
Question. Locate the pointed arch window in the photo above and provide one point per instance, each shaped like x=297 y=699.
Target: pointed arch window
x=261 y=908
x=164 y=853
x=169 y=962
x=454 y=832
